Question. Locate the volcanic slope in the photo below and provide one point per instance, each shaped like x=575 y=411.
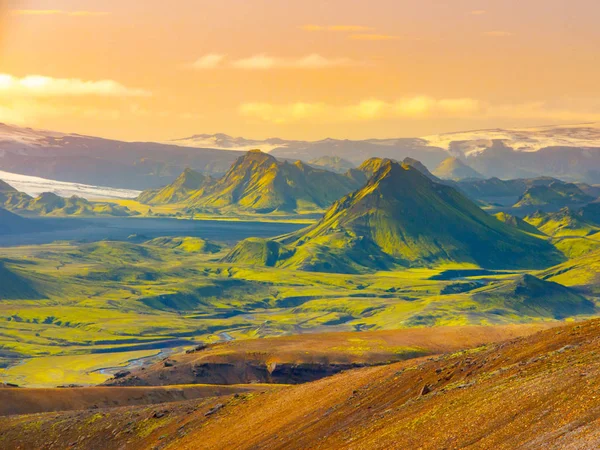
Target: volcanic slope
x=532 y=392
x=401 y=217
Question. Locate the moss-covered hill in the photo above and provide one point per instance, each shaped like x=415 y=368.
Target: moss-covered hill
x=565 y=222
x=557 y=194
x=402 y=217
x=50 y=204
x=181 y=189
x=517 y=222
x=260 y=183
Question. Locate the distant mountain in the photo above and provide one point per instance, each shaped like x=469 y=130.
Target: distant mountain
x=401 y=217
x=358 y=151
x=454 y=169
x=102 y=162
x=506 y=193
x=180 y=190
x=260 y=183
x=49 y=204
x=556 y=194
x=471 y=143
x=333 y=164
x=35 y=186
x=223 y=141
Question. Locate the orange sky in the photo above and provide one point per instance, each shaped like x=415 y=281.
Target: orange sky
x=305 y=69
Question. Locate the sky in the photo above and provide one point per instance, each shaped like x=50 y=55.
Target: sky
x=297 y=69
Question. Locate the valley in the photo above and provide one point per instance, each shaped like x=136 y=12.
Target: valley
x=214 y=294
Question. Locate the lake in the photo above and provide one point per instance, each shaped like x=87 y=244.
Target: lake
x=119 y=229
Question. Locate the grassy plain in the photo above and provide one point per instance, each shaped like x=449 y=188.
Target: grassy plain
x=119 y=300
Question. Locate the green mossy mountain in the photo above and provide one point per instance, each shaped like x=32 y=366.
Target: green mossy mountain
x=517 y=222
x=372 y=165
x=401 y=217
x=565 y=222
x=257 y=182
x=556 y=194
x=50 y=204
x=16 y=287
x=188 y=183
x=532 y=296
x=10 y=198
x=5 y=187
x=454 y=169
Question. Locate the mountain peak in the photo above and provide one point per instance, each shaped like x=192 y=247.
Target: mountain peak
x=5 y=187
x=403 y=217
x=453 y=168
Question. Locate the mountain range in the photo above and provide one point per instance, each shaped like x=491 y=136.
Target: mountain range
x=571 y=153
x=257 y=182
x=103 y=162
x=50 y=204
x=400 y=217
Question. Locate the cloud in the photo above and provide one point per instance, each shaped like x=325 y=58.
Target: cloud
x=41 y=86
x=375 y=37
x=57 y=12
x=498 y=33
x=210 y=61
x=478 y=12
x=416 y=108
x=338 y=28
x=367 y=110
x=263 y=61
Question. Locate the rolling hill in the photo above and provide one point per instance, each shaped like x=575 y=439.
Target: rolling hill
x=528 y=295
x=454 y=169
x=401 y=217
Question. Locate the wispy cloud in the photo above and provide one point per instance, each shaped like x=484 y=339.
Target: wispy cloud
x=498 y=33
x=367 y=110
x=376 y=37
x=415 y=108
x=210 y=61
x=41 y=86
x=57 y=12
x=264 y=61
x=338 y=28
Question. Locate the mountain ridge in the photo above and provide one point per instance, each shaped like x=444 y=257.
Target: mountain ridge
x=401 y=217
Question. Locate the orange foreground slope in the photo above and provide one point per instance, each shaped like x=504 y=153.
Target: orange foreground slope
x=540 y=391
